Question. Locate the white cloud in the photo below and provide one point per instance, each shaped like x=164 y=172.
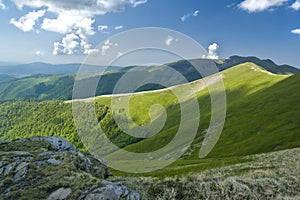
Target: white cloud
x=186 y=16
x=102 y=27
x=137 y=3
x=169 y=40
x=196 y=13
x=28 y=21
x=296 y=31
x=38 y=53
x=80 y=7
x=69 y=45
x=72 y=44
x=66 y=23
x=260 y=5
x=296 y=5
x=120 y=54
x=212 y=51
x=74 y=17
x=230 y=5
x=78 y=26
x=87 y=48
x=119 y=27
x=106 y=45
x=183 y=18
x=2 y=5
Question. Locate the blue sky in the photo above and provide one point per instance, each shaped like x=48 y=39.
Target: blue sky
x=67 y=31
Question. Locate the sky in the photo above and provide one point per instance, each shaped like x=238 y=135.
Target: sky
x=68 y=31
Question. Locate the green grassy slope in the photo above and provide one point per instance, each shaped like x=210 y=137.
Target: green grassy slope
x=262 y=116
x=38 y=87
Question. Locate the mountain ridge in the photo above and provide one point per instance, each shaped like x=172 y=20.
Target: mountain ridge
x=51 y=87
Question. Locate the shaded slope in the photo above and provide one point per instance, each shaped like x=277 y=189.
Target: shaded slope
x=262 y=116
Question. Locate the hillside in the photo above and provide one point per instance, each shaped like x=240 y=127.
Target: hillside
x=51 y=168
x=254 y=97
x=46 y=86
x=262 y=116
x=265 y=176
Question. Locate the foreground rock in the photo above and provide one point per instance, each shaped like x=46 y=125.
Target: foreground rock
x=51 y=168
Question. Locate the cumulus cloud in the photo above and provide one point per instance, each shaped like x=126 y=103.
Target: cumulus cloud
x=106 y=45
x=296 y=31
x=69 y=45
x=2 y=5
x=119 y=27
x=296 y=5
x=66 y=23
x=169 y=40
x=212 y=51
x=73 y=18
x=28 y=21
x=72 y=44
x=186 y=16
x=260 y=5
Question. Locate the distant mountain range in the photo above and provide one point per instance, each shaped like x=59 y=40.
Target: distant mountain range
x=47 y=82
x=22 y=70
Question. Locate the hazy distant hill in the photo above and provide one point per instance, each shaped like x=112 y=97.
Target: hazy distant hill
x=5 y=77
x=22 y=70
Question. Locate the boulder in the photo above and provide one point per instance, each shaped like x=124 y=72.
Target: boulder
x=111 y=191
x=57 y=143
x=8 y=168
x=21 y=170
x=54 y=161
x=60 y=194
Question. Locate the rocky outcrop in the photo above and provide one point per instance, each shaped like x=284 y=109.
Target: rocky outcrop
x=51 y=168
x=60 y=194
x=57 y=143
x=110 y=190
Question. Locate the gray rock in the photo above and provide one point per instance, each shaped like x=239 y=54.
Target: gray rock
x=58 y=143
x=60 y=194
x=23 y=159
x=86 y=161
x=112 y=191
x=38 y=164
x=54 y=161
x=21 y=170
x=133 y=195
x=1 y=170
x=50 y=154
x=18 y=153
x=9 y=167
x=4 y=141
